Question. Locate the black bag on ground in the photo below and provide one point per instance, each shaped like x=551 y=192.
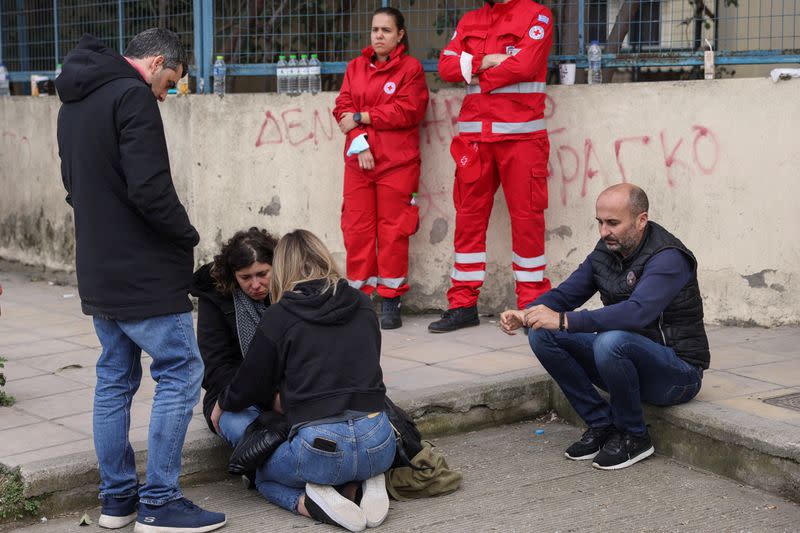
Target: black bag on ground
x=409 y=440
x=261 y=438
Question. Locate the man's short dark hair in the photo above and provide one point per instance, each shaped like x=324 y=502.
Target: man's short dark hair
x=159 y=42
x=639 y=202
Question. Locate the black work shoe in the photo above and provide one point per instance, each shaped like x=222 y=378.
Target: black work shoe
x=591 y=442
x=453 y=319
x=621 y=450
x=390 y=313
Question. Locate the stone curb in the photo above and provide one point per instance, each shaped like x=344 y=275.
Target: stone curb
x=740 y=446
x=730 y=443
x=70 y=482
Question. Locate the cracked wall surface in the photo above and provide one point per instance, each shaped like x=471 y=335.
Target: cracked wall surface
x=724 y=183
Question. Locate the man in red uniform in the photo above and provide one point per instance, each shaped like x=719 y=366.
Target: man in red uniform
x=500 y=51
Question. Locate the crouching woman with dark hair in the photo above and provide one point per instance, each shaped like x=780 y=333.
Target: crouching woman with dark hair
x=319 y=341
x=233 y=293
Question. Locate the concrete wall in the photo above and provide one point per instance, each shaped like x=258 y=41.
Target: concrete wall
x=718 y=160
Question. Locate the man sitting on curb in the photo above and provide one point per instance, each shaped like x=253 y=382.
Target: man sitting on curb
x=647 y=343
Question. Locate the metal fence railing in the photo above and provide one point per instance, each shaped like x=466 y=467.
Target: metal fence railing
x=35 y=35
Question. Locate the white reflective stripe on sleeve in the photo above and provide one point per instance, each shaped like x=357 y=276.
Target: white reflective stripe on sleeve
x=469 y=127
x=450 y=53
x=522 y=275
x=518 y=127
x=466 y=66
x=357 y=284
x=526 y=87
x=477 y=257
x=393 y=283
x=529 y=262
x=460 y=275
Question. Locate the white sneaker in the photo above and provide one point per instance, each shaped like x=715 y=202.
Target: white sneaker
x=374 y=500
x=325 y=504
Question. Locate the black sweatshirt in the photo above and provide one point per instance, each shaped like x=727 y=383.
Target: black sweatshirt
x=133 y=237
x=324 y=350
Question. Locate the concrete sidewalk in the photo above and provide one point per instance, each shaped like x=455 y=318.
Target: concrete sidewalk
x=524 y=488
x=451 y=382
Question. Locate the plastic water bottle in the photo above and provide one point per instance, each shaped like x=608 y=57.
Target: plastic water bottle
x=292 y=67
x=219 y=76
x=283 y=75
x=314 y=75
x=595 y=57
x=5 y=89
x=302 y=74
x=538 y=440
x=58 y=70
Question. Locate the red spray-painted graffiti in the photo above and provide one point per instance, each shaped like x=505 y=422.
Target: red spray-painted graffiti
x=294 y=129
x=681 y=154
x=678 y=158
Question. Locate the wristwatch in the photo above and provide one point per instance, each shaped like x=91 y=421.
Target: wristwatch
x=357 y=117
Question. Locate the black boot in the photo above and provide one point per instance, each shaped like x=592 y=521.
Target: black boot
x=453 y=319
x=390 y=313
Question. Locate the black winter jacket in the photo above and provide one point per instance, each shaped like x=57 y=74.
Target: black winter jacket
x=324 y=350
x=133 y=237
x=218 y=339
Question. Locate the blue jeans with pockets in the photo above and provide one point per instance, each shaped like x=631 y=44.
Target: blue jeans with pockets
x=365 y=447
x=629 y=366
x=177 y=369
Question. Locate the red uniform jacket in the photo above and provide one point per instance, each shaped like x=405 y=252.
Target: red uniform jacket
x=395 y=95
x=508 y=101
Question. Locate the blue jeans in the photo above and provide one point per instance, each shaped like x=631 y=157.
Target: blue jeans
x=232 y=425
x=364 y=448
x=630 y=367
x=177 y=369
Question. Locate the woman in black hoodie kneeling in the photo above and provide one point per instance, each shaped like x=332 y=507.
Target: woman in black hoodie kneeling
x=319 y=345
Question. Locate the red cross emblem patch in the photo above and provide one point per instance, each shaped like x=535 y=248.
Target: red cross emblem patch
x=536 y=33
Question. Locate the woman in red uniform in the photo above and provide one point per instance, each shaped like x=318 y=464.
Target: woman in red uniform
x=379 y=109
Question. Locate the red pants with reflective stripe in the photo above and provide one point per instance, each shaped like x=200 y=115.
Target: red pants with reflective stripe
x=377 y=220
x=521 y=167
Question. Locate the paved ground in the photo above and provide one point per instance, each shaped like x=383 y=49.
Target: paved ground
x=51 y=349
x=525 y=487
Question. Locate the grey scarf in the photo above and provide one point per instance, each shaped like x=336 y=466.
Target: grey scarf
x=248 y=315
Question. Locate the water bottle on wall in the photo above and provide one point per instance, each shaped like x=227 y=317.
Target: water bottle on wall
x=314 y=75
x=283 y=75
x=595 y=57
x=302 y=74
x=292 y=67
x=219 y=76
x=5 y=89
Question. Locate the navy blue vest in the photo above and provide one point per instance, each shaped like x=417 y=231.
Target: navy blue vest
x=680 y=325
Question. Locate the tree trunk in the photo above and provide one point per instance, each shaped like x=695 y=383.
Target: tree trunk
x=162 y=14
x=569 y=34
x=622 y=25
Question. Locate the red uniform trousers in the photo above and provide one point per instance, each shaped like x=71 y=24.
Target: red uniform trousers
x=378 y=214
x=521 y=167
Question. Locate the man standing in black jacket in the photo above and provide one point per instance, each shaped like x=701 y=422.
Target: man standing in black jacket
x=134 y=255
